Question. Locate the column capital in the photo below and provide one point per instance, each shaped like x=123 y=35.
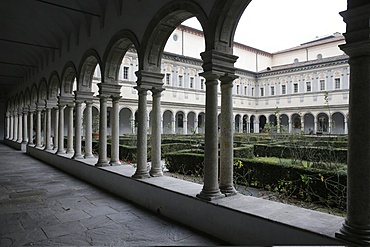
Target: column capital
x=50 y=104
x=228 y=79
x=116 y=98
x=65 y=99
x=84 y=96
x=218 y=62
x=109 y=89
x=149 y=79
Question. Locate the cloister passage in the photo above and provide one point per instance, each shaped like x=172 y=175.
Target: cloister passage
x=46 y=75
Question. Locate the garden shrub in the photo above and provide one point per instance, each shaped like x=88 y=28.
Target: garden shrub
x=245 y=151
x=185 y=163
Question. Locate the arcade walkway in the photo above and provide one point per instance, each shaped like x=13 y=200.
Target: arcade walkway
x=40 y=205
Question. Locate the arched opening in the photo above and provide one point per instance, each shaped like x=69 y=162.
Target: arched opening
x=245 y=124
x=309 y=123
x=167 y=122
x=179 y=122
x=237 y=123
x=201 y=122
x=125 y=121
x=322 y=123
x=191 y=127
x=262 y=122
x=337 y=123
x=296 y=123
x=251 y=123
x=284 y=123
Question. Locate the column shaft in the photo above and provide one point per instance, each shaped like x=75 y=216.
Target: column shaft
x=48 y=129
x=20 y=129
x=15 y=127
x=11 y=128
x=103 y=161
x=78 y=126
x=210 y=188
x=56 y=129
x=156 y=169
x=114 y=161
x=70 y=130
x=7 y=125
x=25 y=128
x=61 y=130
x=142 y=170
x=30 y=132
x=357 y=225
x=88 y=137
x=226 y=145
x=38 y=128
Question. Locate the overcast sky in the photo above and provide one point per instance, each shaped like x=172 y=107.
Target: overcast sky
x=273 y=25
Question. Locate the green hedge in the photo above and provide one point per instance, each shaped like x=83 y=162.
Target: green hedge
x=315 y=154
x=185 y=163
x=245 y=151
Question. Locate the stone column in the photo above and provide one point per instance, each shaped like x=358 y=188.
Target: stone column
x=56 y=129
x=78 y=126
x=185 y=125
x=356 y=228
x=196 y=125
x=290 y=129
x=7 y=125
x=15 y=126
x=256 y=126
x=25 y=127
x=132 y=122
x=210 y=188
x=162 y=127
x=48 y=129
x=142 y=170
x=20 y=120
x=61 y=149
x=88 y=137
x=114 y=160
x=70 y=129
x=345 y=125
x=38 y=128
x=30 y=132
x=173 y=125
x=11 y=128
x=103 y=161
x=302 y=124
x=240 y=125
x=330 y=121
x=156 y=169
x=315 y=125
x=227 y=141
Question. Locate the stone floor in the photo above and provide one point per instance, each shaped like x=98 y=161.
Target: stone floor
x=42 y=206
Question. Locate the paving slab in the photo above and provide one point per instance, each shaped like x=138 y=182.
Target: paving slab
x=43 y=206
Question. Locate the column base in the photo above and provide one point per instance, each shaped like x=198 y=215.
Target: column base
x=77 y=156
x=89 y=156
x=156 y=173
x=210 y=195
x=102 y=163
x=353 y=235
x=70 y=151
x=141 y=174
x=228 y=190
x=115 y=163
x=48 y=148
x=61 y=152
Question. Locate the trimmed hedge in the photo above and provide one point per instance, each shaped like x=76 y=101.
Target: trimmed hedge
x=185 y=163
x=245 y=151
x=315 y=154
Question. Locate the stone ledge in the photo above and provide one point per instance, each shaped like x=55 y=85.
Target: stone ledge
x=240 y=220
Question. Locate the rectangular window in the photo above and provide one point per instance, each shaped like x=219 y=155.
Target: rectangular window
x=272 y=91
x=201 y=84
x=245 y=90
x=191 y=84
x=237 y=89
x=337 y=83
x=262 y=92
x=322 y=85
x=283 y=89
x=295 y=87
x=168 y=78
x=180 y=80
x=308 y=86
x=125 y=73
x=252 y=91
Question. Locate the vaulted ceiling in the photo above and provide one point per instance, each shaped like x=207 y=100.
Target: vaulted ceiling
x=32 y=33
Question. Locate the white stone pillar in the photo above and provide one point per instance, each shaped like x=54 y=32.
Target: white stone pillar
x=70 y=129
x=185 y=125
x=78 y=126
x=48 y=129
x=290 y=126
x=345 y=125
x=114 y=160
x=103 y=161
x=38 y=128
x=315 y=125
x=132 y=122
x=162 y=126
x=173 y=125
x=61 y=149
x=330 y=121
x=88 y=137
x=142 y=170
x=25 y=127
x=302 y=124
x=227 y=141
x=15 y=126
x=256 y=126
x=30 y=132
x=20 y=128
x=211 y=189
x=56 y=129
x=156 y=169
x=240 y=125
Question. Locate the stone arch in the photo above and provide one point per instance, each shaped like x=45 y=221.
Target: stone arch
x=115 y=52
x=160 y=28
x=284 y=123
x=34 y=94
x=309 y=122
x=69 y=74
x=53 y=86
x=296 y=123
x=86 y=70
x=237 y=119
x=167 y=122
x=21 y=101
x=179 y=122
x=245 y=123
x=201 y=122
x=251 y=122
x=224 y=19
x=43 y=91
x=125 y=117
x=262 y=122
x=27 y=97
x=322 y=123
x=337 y=123
x=191 y=128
